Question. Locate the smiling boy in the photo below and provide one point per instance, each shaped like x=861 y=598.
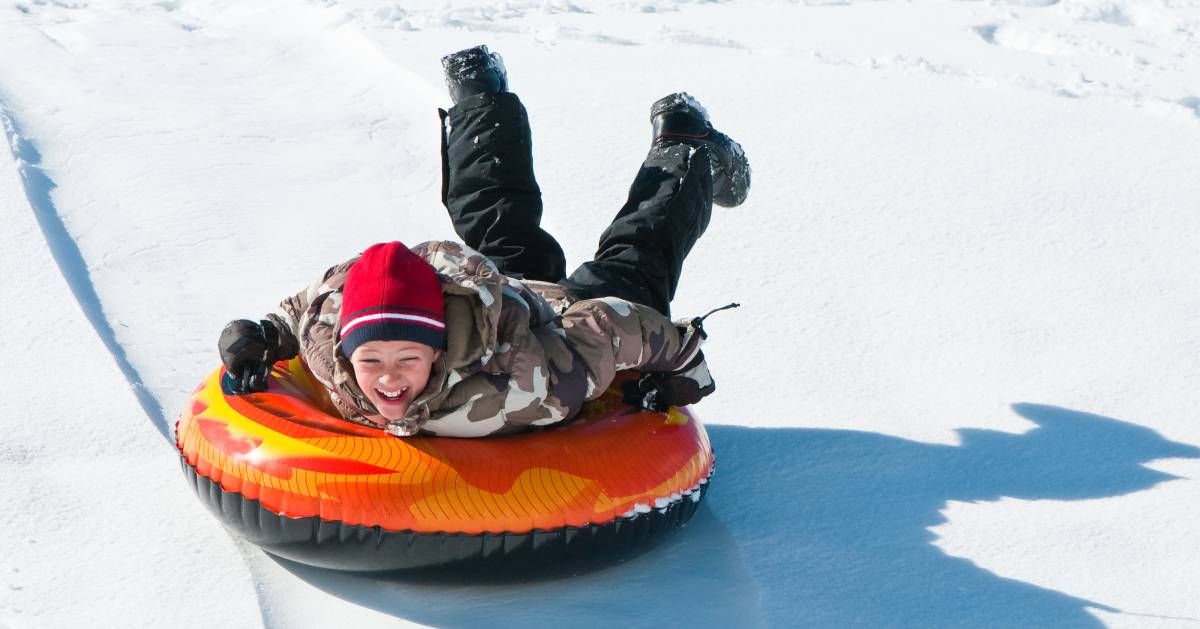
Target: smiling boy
x=493 y=337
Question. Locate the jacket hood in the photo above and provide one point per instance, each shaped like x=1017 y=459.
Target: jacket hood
x=472 y=288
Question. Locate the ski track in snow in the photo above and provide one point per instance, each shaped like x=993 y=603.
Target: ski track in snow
x=38 y=187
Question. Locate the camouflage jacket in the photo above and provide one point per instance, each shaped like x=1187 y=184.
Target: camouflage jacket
x=519 y=353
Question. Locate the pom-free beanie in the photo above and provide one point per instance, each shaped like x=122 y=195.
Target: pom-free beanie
x=391 y=294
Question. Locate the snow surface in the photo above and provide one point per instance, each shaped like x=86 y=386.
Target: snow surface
x=963 y=388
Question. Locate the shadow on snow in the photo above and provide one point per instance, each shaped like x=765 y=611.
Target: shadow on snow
x=819 y=528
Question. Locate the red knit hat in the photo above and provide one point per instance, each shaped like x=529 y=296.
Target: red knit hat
x=391 y=294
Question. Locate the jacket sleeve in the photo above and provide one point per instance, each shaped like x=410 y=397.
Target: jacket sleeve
x=557 y=367
x=608 y=335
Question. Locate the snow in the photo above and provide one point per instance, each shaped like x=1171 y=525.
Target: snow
x=962 y=388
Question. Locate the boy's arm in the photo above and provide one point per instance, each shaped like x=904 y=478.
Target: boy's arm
x=248 y=349
x=611 y=335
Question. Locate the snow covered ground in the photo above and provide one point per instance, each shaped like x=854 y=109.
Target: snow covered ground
x=963 y=388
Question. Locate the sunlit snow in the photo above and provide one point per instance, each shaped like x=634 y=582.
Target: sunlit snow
x=963 y=388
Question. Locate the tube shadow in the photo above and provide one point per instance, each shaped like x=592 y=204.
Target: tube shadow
x=667 y=583
x=820 y=528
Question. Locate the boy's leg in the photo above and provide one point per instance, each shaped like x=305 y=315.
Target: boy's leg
x=690 y=166
x=641 y=254
x=489 y=188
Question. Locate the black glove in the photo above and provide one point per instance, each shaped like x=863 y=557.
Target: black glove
x=662 y=390
x=248 y=350
x=658 y=391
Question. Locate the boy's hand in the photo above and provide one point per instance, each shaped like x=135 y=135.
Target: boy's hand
x=688 y=384
x=662 y=390
x=248 y=350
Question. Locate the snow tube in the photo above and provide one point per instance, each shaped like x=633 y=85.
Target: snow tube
x=282 y=470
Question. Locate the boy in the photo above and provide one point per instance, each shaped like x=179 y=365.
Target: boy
x=493 y=337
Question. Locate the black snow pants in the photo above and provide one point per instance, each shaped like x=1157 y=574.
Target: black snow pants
x=496 y=207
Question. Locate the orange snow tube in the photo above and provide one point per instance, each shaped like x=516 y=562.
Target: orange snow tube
x=281 y=469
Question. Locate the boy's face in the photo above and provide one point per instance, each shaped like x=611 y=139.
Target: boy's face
x=393 y=373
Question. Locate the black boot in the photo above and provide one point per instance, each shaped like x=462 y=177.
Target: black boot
x=679 y=118
x=474 y=71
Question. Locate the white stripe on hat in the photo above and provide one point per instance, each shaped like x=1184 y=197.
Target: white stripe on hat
x=353 y=323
